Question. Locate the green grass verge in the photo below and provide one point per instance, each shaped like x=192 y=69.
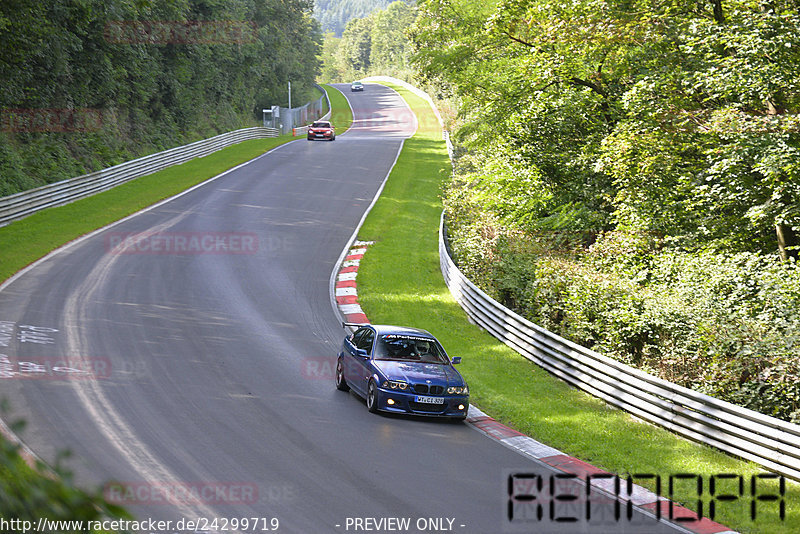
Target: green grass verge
x=341 y=114
x=23 y=242
x=404 y=224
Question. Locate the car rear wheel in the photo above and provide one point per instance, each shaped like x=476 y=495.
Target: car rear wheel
x=372 y=397
x=341 y=383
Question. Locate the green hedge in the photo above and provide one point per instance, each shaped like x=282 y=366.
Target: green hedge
x=722 y=324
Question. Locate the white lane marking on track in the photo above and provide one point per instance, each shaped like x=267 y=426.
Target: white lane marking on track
x=26 y=333
x=5 y=430
x=353 y=241
x=111 y=424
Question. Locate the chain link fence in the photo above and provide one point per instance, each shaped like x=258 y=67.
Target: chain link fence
x=289 y=119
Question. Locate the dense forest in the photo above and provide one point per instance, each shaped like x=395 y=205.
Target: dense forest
x=374 y=44
x=90 y=83
x=628 y=175
x=333 y=15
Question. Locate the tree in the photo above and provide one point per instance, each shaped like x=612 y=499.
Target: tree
x=663 y=137
x=158 y=73
x=333 y=15
x=678 y=120
x=356 y=46
x=390 y=47
x=29 y=494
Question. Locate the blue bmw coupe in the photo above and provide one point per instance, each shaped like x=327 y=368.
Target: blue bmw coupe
x=401 y=370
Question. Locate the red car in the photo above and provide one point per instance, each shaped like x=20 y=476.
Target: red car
x=321 y=130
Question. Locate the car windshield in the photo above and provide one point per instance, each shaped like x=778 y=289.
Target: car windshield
x=321 y=125
x=410 y=348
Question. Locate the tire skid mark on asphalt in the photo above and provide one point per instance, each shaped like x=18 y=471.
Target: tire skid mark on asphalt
x=90 y=393
x=28 y=455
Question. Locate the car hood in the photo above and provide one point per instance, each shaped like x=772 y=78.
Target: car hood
x=413 y=372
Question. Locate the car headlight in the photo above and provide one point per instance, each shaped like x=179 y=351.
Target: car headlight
x=458 y=390
x=394 y=384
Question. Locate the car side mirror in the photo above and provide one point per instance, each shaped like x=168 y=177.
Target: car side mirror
x=455 y=360
x=362 y=353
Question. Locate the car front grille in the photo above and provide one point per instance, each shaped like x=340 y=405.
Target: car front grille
x=424 y=389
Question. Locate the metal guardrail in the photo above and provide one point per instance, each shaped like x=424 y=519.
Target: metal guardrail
x=25 y=203
x=767 y=441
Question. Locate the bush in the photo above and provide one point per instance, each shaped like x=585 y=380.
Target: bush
x=27 y=494
x=722 y=324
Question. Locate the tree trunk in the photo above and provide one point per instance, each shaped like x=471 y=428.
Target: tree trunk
x=786 y=239
x=719 y=15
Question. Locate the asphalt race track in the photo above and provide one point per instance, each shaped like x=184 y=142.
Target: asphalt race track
x=212 y=368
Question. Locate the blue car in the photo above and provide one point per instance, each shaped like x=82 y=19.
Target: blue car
x=401 y=370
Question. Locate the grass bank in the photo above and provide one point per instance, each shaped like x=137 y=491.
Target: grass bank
x=28 y=239
x=341 y=114
x=404 y=224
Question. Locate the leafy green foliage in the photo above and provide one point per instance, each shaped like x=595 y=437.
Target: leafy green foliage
x=143 y=88
x=333 y=15
x=375 y=44
x=356 y=45
x=651 y=116
x=628 y=176
x=30 y=493
x=725 y=324
x=503 y=383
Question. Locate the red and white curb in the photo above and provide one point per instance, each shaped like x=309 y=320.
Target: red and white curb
x=346 y=295
x=345 y=287
x=545 y=454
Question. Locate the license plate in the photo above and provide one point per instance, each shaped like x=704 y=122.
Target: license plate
x=320 y=135
x=429 y=400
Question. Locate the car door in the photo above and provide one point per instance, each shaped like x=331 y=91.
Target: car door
x=353 y=362
x=363 y=367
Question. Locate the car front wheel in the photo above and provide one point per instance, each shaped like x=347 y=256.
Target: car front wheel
x=341 y=383
x=372 y=397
